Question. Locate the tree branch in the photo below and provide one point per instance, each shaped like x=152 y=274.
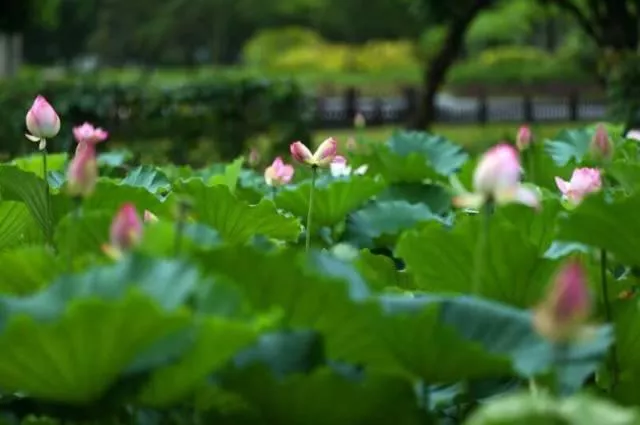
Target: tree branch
x=582 y=18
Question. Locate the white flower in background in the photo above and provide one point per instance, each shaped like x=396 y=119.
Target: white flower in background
x=339 y=168
x=633 y=134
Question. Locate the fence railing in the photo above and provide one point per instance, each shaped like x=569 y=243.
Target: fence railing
x=339 y=111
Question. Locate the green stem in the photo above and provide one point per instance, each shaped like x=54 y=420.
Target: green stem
x=314 y=172
x=613 y=355
x=47 y=198
x=77 y=214
x=274 y=192
x=183 y=209
x=559 y=358
x=531 y=163
x=481 y=248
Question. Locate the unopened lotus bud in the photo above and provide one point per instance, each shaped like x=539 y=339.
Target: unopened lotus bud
x=126 y=228
x=42 y=122
x=601 y=144
x=524 y=138
x=82 y=174
x=359 y=121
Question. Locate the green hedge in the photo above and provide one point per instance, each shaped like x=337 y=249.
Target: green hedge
x=227 y=112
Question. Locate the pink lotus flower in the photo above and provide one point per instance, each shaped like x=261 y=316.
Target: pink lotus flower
x=583 y=181
x=524 y=137
x=149 y=217
x=322 y=157
x=278 y=173
x=340 y=168
x=497 y=178
x=601 y=145
x=126 y=228
x=42 y=122
x=87 y=133
x=633 y=134
x=82 y=173
x=567 y=305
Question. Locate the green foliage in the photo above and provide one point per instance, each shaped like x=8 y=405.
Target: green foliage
x=405 y=309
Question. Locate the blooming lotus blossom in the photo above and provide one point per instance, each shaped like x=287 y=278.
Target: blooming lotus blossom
x=497 y=178
x=126 y=228
x=567 y=305
x=633 y=134
x=149 y=217
x=42 y=122
x=339 y=168
x=82 y=173
x=583 y=181
x=601 y=144
x=278 y=173
x=87 y=133
x=322 y=157
x=524 y=137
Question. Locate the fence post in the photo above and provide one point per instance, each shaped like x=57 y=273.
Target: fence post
x=319 y=117
x=350 y=105
x=377 y=116
x=527 y=108
x=574 y=113
x=482 y=108
x=411 y=104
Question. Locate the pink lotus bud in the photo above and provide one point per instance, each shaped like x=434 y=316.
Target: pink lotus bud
x=359 y=121
x=42 y=121
x=523 y=140
x=583 y=181
x=301 y=153
x=82 y=173
x=278 y=173
x=601 y=145
x=351 y=144
x=254 y=157
x=499 y=168
x=87 y=133
x=126 y=228
x=149 y=217
x=567 y=305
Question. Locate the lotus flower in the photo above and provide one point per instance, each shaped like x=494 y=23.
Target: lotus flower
x=583 y=181
x=497 y=178
x=339 y=168
x=87 y=133
x=126 y=228
x=322 y=157
x=278 y=173
x=567 y=305
x=601 y=144
x=633 y=134
x=524 y=137
x=42 y=122
x=82 y=173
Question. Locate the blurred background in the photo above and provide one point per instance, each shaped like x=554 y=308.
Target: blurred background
x=191 y=81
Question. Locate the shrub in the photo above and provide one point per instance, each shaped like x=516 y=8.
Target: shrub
x=378 y=56
x=268 y=45
x=226 y=112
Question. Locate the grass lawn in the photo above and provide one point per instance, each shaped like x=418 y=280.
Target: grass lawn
x=472 y=136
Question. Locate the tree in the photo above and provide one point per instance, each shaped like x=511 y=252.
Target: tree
x=456 y=16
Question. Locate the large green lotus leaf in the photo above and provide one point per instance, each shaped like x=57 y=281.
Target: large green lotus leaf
x=160 y=238
x=114 y=158
x=381 y=223
x=613 y=226
x=569 y=145
x=82 y=233
x=539 y=227
x=111 y=195
x=542 y=409
x=28 y=188
x=541 y=169
x=434 y=196
x=416 y=156
x=33 y=163
x=78 y=356
x=217 y=341
x=14 y=221
x=147 y=177
x=235 y=220
x=627 y=174
x=310 y=399
x=442 y=260
x=26 y=269
x=332 y=201
x=505 y=330
x=230 y=175
x=627 y=328
x=380 y=271
x=329 y=296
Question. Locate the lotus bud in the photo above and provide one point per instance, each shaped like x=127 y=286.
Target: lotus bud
x=82 y=173
x=359 y=121
x=42 y=122
x=301 y=153
x=254 y=157
x=351 y=144
x=567 y=306
x=126 y=228
x=601 y=144
x=524 y=138
x=278 y=173
x=499 y=168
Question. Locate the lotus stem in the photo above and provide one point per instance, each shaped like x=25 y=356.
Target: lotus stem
x=481 y=248
x=613 y=355
x=314 y=172
x=47 y=198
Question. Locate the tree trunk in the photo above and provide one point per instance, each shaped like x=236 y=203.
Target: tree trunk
x=435 y=72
